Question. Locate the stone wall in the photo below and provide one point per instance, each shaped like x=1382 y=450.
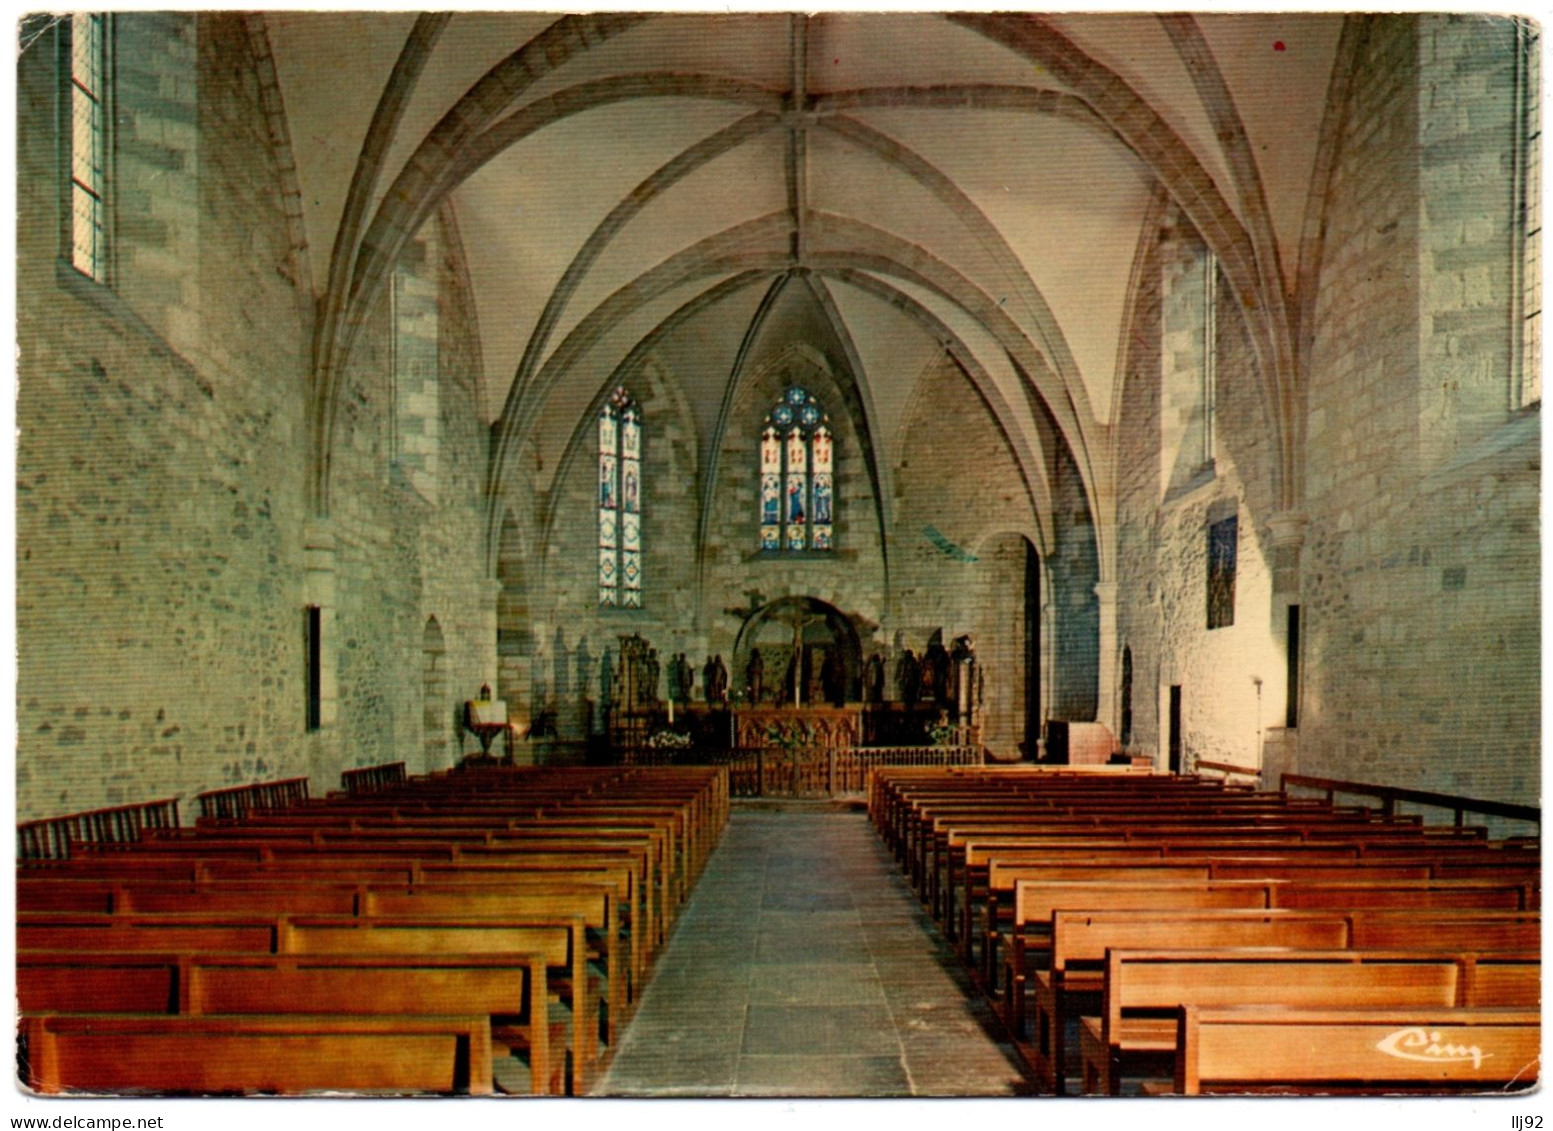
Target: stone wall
x=1232 y=677
x=159 y=484
x=162 y=466
x=1420 y=570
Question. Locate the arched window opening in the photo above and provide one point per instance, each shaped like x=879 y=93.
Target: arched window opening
x=620 y=502
x=90 y=119
x=797 y=488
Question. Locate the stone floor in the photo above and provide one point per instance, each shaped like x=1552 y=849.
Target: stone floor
x=804 y=966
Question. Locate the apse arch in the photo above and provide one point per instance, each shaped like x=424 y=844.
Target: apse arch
x=823 y=634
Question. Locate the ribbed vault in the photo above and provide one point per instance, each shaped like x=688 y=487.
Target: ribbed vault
x=972 y=186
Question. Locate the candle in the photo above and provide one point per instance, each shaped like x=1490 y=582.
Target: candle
x=671 y=710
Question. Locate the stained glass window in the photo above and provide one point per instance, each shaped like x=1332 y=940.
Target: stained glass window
x=620 y=502
x=89 y=145
x=797 y=484
x=1223 y=543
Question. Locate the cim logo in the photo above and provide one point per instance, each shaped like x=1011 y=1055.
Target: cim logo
x=1423 y=1044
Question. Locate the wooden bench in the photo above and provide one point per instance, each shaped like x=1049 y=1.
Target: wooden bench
x=194 y=984
x=1331 y=1051
x=562 y=942
x=1081 y=939
x=1144 y=989
x=283 y=1055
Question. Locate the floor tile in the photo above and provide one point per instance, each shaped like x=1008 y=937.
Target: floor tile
x=822 y=1076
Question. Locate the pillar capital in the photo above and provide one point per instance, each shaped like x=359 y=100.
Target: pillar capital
x=1287 y=528
x=1285 y=537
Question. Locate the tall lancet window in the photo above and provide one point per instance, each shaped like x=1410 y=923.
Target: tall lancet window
x=797 y=485
x=89 y=148
x=620 y=502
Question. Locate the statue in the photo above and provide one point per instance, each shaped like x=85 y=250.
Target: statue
x=908 y=676
x=754 y=676
x=873 y=680
x=682 y=679
x=714 y=681
x=833 y=678
x=936 y=686
x=652 y=675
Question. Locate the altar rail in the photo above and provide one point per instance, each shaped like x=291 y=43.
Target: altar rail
x=1390 y=795
x=805 y=771
x=370 y=779
x=50 y=838
x=239 y=800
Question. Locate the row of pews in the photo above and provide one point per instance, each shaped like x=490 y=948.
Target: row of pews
x=472 y=931
x=1167 y=934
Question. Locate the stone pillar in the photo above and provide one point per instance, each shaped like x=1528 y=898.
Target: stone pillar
x=1105 y=700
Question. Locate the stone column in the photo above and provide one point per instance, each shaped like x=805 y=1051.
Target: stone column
x=1105 y=701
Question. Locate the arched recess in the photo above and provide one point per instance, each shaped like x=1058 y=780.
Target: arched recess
x=436 y=712
x=514 y=626
x=824 y=634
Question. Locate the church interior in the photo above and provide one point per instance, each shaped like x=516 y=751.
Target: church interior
x=718 y=472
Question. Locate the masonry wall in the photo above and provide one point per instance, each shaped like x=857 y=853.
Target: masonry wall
x=162 y=491
x=971 y=577
x=1231 y=677
x=1420 y=569
x=407 y=552
x=159 y=485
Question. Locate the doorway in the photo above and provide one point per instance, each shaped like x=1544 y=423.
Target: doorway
x=1174 y=749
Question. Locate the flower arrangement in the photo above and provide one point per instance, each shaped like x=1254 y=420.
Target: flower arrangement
x=668 y=740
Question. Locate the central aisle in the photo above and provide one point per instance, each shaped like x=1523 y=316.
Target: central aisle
x=804 y=966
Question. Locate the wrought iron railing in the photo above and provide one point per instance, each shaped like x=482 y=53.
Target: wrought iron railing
x=239 y=800
x=370 y=779
x=51 y=838
x=1391 y=796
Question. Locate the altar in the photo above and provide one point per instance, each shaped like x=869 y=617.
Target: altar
x=823 y=727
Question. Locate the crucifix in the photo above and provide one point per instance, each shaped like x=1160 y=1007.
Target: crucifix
x=799 y=620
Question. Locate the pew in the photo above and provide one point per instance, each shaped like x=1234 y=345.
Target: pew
x=561 y=941
x=1144 y=989
x=1080 y=941
x=145 y=1054
x=1286 y=1051
x=193 y=984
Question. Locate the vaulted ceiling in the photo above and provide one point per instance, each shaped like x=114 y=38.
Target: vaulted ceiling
x=971 y=183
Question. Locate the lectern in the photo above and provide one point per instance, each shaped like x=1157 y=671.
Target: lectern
x=485 y=719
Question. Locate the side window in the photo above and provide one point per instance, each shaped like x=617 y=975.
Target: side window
x=620 y=502
x=89 y=101
x=1223 y=540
